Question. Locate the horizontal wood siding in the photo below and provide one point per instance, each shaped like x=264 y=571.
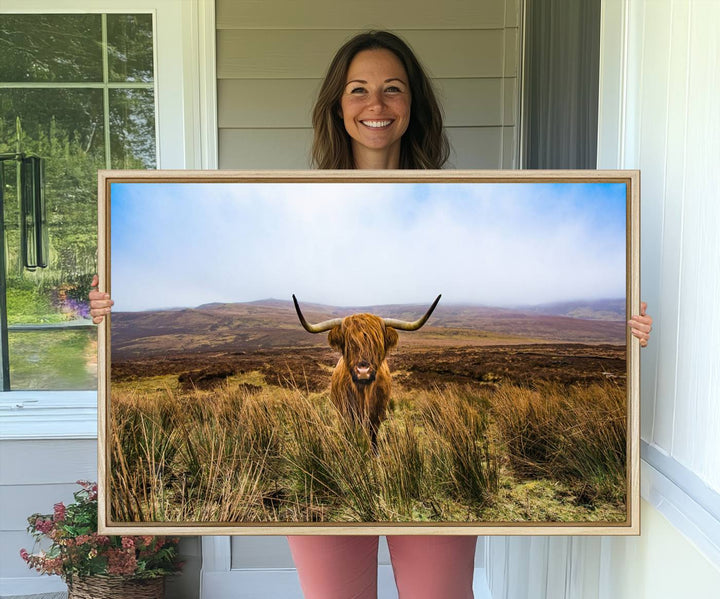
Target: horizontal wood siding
x=306 y=54
x=271 y=59
x=331 y=14
x=264 y=148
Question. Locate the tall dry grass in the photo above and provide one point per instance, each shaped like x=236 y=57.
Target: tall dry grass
x=283 y=454
x=571 y=433
x=456 y=423
x=239 y=454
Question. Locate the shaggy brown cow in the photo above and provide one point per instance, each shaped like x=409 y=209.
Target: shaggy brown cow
x=360 y=384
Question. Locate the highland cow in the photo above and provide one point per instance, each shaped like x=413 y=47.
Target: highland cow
x=360 y=384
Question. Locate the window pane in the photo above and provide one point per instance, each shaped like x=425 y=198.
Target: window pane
x=50 y=48
x=130 y=47
x=49 y=117
x=132 y=128
x=54 y=359
x=66 y=127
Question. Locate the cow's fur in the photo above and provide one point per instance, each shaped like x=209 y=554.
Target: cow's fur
x=360 y=385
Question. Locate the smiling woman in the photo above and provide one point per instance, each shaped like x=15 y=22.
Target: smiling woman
x=365 y=104
x=375 y=108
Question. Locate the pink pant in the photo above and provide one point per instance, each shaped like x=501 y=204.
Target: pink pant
x=345 y=567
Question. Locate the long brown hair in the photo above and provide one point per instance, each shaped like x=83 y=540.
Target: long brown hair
x=424 y=144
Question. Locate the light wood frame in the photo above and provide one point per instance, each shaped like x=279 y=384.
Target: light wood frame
x=631 y=526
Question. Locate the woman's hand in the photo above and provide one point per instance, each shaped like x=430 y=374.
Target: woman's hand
x=641 y=325
x=100 y=303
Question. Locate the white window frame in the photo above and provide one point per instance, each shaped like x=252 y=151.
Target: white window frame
x=186 y=136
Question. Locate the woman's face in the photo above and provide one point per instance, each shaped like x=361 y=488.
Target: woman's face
x=375 y=105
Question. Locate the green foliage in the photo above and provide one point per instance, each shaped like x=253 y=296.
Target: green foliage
x=27 y=305
x=53 y=359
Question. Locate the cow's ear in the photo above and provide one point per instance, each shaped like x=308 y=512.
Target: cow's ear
x=391 y=338
x=336 y=339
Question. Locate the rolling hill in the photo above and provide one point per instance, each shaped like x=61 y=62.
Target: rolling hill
x=272 y=323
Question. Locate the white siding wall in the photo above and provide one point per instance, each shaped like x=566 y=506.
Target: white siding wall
x=272 y=56
x=660 y=84
x=676 y=125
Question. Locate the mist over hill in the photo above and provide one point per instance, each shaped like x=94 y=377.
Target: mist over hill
x=604 y=309
x=273 y=323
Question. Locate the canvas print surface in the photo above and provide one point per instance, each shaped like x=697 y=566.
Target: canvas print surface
x=277 y=357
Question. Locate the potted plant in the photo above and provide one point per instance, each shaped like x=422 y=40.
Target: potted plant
x=96 y=566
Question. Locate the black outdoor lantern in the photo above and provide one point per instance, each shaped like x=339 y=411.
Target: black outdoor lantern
x=33 y=215
x=33 y=236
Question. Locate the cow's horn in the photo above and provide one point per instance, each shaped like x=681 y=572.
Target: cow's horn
x=320 y=327
x=404 y=325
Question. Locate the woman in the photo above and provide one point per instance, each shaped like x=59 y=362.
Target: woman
x=377 y=110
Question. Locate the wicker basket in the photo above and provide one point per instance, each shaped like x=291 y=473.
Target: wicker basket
x=116 y=587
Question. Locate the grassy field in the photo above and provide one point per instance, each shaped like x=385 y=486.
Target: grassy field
x=53 y=359
x=249 y=451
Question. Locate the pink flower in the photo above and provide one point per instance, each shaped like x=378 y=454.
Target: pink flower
x=53 y=565
x=128 y=543
x=43 y=526
x=121 y=562
x=25 y=555
x=59 y=509
x=82 y=539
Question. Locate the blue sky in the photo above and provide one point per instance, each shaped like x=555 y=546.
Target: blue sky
x=354 y=244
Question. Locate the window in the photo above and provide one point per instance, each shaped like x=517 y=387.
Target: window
x=78 y=91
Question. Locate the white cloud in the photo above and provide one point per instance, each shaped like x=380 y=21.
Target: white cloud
x=356 y=244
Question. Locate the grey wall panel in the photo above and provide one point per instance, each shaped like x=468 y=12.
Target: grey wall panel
x=254 y=54
x=513 y=13
x=475 y=147
x=511 y=39
x=252 y=552
x=19 y=501
x=509 y=149
x=471 y=102
x=261 y=103
x=331 y=14
x=510 y=101
x=265 y=148
x=47 y=461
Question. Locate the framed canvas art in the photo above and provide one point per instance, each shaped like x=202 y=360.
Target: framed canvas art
x=369 y=352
